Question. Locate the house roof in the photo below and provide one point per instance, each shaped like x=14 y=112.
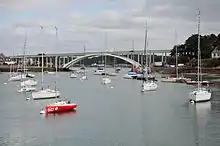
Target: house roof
x=216 y=50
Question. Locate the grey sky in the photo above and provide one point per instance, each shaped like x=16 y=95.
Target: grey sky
x=85 y=22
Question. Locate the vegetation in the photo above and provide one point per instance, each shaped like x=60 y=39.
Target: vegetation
x=188 y=51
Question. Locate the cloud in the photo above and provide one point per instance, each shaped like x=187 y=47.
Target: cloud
x=85 y=23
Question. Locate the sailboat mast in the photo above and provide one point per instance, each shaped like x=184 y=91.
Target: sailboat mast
x=42 y=65
x=42 y=71
x=145 y=46
x=105 y=51
x=24 y=62
x=114 y=60
x=199 y=53
x=12 y=65
x=56 y=59
x=84 y=47
x=177 y=72
x=132 y=49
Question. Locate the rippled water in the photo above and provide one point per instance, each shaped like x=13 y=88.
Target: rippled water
x=119 y=116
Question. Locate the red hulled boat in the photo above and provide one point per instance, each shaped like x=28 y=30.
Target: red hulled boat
x=59 y=106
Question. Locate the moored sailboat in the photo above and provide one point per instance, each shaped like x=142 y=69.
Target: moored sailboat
x=46 y=93
x=105 y=79
x=200 y=94
x=147 y=85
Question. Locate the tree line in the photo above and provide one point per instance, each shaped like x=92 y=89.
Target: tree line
x=190 y=48
x=188 y=51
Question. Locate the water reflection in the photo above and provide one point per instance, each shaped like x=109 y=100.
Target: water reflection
x=60 y=115
x=200 y=113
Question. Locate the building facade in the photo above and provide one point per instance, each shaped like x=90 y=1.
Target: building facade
x=216 y=52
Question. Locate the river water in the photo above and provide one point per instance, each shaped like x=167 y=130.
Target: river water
x=109 y=115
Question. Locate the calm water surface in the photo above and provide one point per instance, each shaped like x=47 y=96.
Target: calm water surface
x=119 y=116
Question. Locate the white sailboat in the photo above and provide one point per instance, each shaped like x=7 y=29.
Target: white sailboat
x=18 y=76
x=73 y=75
x=46 y=93
x=178 y=78
x=148 y=85
x=29 y=82
x=25 y=87
x=200 y=94
x=84 y=77
x=105 y=79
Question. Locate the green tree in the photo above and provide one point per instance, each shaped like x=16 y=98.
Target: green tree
x=190 y=47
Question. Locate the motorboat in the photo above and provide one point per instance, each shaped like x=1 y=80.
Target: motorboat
x=148 y=77
x=51 y=73
x=84 y=77
x=73 y=75
x=17 y=77
x=149 y=86
x=117 y=70
x=29 y=82
x=27 y=89
x=28 y=75
x=106 y=80
x=45 y=94
x=59 y=106
x=99 y=71
x=130 y=75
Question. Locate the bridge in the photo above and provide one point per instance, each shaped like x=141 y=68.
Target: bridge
x=133 y=62
x=67 y=59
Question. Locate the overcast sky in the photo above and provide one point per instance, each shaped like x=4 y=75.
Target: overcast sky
x=84 y=22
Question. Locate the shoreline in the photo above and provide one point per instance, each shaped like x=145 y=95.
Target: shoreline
x=189 y=71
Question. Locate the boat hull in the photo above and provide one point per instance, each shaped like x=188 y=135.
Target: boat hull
x=200 y=96
x=29 y=83
x=27 y=89
x=149 y=86
x=106 y=80
x=45 y=94
x=204 y=83
x=60 y=108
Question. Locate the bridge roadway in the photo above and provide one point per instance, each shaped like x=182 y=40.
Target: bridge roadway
x=64 y=58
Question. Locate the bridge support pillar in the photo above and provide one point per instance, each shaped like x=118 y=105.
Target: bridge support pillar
x=165 y=59
x=162 y=58
x=153 y=58
x=59 y=62
x=38 y=61
x=150 y=61
x=51 y=64
x=46 y=61
x=142 y=58
x=138 y=58
x=64 y=60
x=68 y=59
x=56 y=62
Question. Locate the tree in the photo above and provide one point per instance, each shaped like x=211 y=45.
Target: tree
x=190 y=47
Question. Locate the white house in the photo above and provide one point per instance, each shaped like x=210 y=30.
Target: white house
x=216 y=52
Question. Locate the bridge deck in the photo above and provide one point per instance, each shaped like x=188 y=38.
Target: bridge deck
x=81 y=54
